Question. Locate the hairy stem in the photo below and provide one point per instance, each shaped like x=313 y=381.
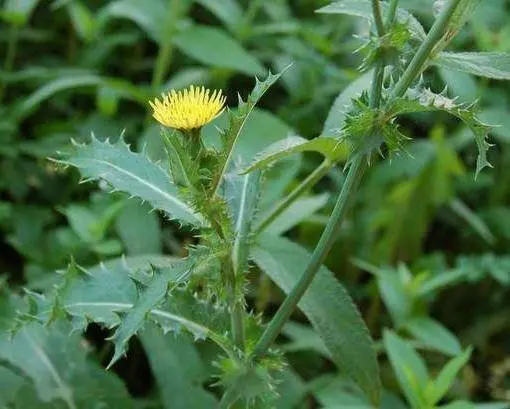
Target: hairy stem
x=306 y=184
x=165 y=52
x=376 y=11
x=392 y=12
x=326 y=241
x=419 y=60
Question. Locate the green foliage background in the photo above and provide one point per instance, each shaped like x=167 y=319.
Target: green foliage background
x=424 y=253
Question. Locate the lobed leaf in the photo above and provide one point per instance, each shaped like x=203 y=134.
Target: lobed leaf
x=329 y=308
x=236 y=122
x=133 y=173
x=424 y=100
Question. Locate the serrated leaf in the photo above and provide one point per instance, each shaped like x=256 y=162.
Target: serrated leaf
x=363 y=8
x=332 y=149
x=148 y=299
x=424 y=100
x=328 y=306
x=236 y=122
x=484 y=64
x=241 y=194
x=133 y=173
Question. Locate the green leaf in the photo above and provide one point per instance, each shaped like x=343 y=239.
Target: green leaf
x=299 y=211
x=343 y=103
x=363 y=8
x=228 y=11
x=329 y=308
x=242 y=194
x=10 y=384
x=139 y=228
x=408 y=367
x=18 y=12
x=473 y=220
x=448 y=374
x=216 y=48
x=484 y=64
x=177 y=355
x=150 y=297
x=83 y=20
x=236 y=123
x=150 y=15
x=424 y=100
x=72 y=82
x=132 y=173
x=57 y=364
x=331 y=148
x=433 y=334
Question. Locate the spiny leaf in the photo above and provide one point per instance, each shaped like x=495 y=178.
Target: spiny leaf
x=236 y=122
x=132 y=173
x=424 y=100
x=241 y=194
x=332 y=149
x=148 y=299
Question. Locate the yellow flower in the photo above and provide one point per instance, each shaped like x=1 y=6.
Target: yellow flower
x=188 y=109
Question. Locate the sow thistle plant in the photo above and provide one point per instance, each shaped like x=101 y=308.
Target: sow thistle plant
x=206 y=189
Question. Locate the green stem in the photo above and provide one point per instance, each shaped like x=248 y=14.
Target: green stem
x=417 y=64
x=377 y=82
x=392 y=13
x=376 y=11
x=10 y=56
x=326 y=241
x=306 y=184
x=165 y=51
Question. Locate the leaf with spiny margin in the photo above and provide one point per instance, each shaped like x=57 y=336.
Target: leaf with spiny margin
x=236 y=121
x=330 y=148
x=241 y=192
x=329 y=308
x=55 y=362
x=151 y=295
x=487 y=64
x=363 y=8
x=424 y=100
x=107 y=294
x=133 y=173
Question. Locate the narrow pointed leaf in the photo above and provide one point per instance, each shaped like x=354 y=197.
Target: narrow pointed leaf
x=329 y=308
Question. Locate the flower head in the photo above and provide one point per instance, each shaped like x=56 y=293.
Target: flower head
x=187 y=109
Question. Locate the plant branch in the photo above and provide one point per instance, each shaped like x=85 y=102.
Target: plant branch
x=417 y=64
x=376 y=11
x=392 y=12
x=306 y=184
x=326 y=241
